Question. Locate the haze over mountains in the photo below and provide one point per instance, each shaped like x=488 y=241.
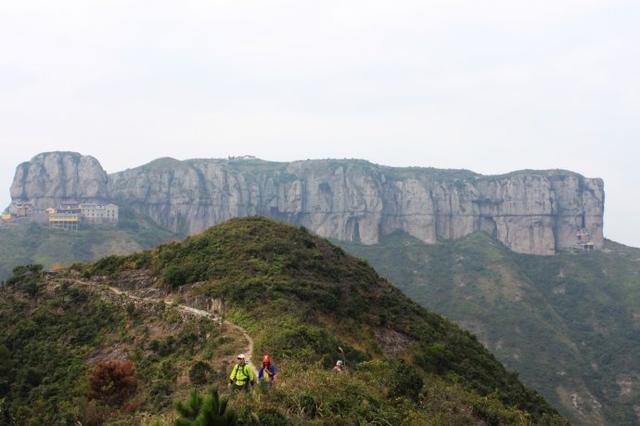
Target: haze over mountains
x=463 y=244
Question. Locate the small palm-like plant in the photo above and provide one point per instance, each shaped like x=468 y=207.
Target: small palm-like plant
x=211 y=410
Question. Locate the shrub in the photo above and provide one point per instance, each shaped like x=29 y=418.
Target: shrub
x=200 y=373
x=311 y=344
x=113 y=382
x=5 y=370
x=160 y=393
x=163 y=347
x=434 y=358
x=175 y=276
x=405 y=382
x=272 y=417
x=208 y=411
x=90 y=414
x=108 y=265
x=26 y=279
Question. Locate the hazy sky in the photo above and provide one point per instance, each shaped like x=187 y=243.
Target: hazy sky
x=490 y=86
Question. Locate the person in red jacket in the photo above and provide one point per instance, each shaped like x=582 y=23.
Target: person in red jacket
x=267 y=373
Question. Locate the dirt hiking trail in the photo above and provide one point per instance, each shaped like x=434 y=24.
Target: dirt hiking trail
x=184 y=308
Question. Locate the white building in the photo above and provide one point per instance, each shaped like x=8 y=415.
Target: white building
x=99 y=213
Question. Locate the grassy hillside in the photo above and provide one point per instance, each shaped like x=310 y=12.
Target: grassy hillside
x=569 y=324
x=26 y=243
x=300 y=298
x=54 y=335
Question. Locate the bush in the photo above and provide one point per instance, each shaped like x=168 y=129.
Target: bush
x=5 y=370
x=311 y=344
x=405 y=382
x=208 y=411
x=108 y=265
x=113 y=382
x=175 y=276
x=272 y=417
x=26 y=279
x=200 y=373
x=434 y=358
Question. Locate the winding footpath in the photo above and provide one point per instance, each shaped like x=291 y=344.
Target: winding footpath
x=184 y=308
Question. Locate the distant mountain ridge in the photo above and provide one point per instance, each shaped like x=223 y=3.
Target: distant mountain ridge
x=569 y=324
x=534 y=212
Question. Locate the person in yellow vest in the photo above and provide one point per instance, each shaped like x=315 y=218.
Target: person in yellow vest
x=241 y=377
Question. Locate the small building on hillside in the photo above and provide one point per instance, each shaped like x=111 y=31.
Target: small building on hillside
x=99 y=213
x=5 y=217
x=68 y=215
x=583 y=240
x=69 y=208
x=66 y=221
x=21 y=209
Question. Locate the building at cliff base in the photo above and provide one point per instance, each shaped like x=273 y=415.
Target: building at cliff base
x=67 y=216
x=99 y=213
x=21 y=209
x=66 y=221
x=583 y=240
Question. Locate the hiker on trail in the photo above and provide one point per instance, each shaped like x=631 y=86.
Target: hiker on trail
x=267 y=373
x=339 y=368
x=241 y=377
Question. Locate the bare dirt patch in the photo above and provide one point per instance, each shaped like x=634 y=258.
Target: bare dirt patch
x=391 y=342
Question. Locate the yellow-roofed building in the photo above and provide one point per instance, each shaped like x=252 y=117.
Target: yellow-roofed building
x=64 y=221
x=5 y=216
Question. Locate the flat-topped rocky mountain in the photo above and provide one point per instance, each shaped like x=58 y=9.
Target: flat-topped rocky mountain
x=534 y=212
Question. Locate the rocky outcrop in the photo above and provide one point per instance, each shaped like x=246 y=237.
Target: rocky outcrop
x=50 y=178
x=537 y=212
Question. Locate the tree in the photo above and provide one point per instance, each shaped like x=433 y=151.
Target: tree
x=208 y=411
x=175 y=276
x=113 y=381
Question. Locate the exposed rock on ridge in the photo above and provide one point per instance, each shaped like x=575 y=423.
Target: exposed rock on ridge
x=537 y=212
x=59 y=176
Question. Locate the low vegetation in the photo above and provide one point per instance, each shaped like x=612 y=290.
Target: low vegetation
x=302 y=299
x=23 y=243
x=566 y=323
x=71 y=353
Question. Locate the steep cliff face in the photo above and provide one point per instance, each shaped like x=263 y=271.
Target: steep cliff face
x=59 y=176
x=537 y=212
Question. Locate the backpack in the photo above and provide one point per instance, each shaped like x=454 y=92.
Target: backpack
x=244 y=371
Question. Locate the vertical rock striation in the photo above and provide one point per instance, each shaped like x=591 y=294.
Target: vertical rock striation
x=50 y=178
x=537 y=212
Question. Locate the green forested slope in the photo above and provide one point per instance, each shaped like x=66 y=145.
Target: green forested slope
x=569 y=324
x=300 y=298
x=54 y=334
x=24 y=243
